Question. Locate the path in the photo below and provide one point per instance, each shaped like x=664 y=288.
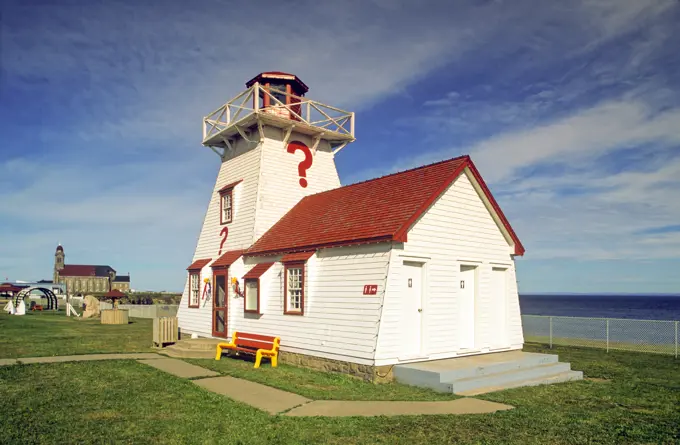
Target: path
x=276 y=401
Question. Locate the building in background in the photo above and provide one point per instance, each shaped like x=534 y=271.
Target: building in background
x=81 y=278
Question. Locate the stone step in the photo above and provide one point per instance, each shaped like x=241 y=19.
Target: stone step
x=545 y=380
x=508 y=377
x=439 y=374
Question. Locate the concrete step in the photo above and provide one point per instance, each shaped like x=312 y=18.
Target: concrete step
x=197 y=344
x=545 y=380
x=188 y=353
x=438 y=374
x=507 y=377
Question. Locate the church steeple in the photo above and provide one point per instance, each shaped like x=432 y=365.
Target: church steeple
x=59 y=258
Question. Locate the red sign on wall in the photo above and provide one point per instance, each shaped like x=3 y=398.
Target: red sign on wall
x=370 y=289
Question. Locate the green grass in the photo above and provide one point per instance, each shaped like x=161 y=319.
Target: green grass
x=634 y=400
x=316 y=384
x=38 y=334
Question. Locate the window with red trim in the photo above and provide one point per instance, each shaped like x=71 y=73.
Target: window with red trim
x=251 y=302
x=226 y=206
x=294 y=292
x=194 y=288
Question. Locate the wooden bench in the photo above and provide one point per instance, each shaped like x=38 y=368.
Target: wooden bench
x=253 y=344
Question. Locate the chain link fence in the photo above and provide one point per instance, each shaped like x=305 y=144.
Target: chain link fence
x=653 y=336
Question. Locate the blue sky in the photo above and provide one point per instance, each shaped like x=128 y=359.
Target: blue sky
x=571 y=111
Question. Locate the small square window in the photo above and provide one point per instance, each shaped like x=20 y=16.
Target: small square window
x=252 y=299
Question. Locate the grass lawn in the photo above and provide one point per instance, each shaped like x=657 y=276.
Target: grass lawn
x=317 y=385
x=53 y=333
x=632 y=398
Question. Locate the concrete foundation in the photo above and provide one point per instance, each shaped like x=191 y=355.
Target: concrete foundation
x=486 y=373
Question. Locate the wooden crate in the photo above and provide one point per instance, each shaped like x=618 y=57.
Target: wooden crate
x=115 y=316
x=165 y=330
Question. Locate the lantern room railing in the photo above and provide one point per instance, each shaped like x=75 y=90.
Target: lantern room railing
x=297 y=111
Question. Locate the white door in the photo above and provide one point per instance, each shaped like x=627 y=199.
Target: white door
x=499 y=308
x=466 y=307
x=412 y=310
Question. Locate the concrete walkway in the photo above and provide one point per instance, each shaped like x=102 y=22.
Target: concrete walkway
x=263 y=397
x=179 y=368
x=341 y=408
x=276 y=401
x=79 y=358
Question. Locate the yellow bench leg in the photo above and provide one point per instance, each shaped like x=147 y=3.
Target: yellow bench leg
x=218 y=355
x=274 y=360
x=258 y=359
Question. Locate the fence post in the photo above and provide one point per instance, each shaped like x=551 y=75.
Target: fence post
x=550 y=332
x=676 y=339
x=607 y=335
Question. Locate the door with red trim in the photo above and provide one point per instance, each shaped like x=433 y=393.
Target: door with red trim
x=219 y=327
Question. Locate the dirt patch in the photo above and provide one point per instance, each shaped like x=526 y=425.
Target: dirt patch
x=103 y=415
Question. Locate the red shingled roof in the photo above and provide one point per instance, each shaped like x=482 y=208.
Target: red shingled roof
x=199 y=264
x=298 y=256
x=78 y=270
x=258 y=270
x=381 y=209
x=227 y=259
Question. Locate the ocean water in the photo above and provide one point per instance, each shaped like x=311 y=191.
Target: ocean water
x=642 y=307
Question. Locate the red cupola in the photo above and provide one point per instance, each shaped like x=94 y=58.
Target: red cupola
x=278 y=91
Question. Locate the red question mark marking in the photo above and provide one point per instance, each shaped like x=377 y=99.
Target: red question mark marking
x=304 y=165
x=224 y=233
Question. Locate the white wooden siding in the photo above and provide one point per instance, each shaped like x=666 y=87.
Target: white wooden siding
x=339 y=322
x=269 y=188
x=457 y=229
x=280 y=188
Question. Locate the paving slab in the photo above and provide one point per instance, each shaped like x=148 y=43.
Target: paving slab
x=89 y=357
x=260 y=396
x=179 y=368
x=7 y=361
x=338 y=408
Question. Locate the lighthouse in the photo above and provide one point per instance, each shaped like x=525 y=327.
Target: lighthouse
x=275 y=146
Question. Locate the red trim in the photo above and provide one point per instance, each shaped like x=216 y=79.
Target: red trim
x=193 y=274
x=245 y=293
x=223 y=193
x=297 y=257
x=341 y=243
x=230 y=186
x=258 y=270
x=519 y=248
x=227 y=259
x=199 y=264
x=224 y=309
x=301 y=266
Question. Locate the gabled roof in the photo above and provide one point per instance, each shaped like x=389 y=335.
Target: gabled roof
x=229 y=186
x=227 y=259
x=298 y=256
x=85 y=270
x=258 y=270
x=381 y=209
x=199 y=264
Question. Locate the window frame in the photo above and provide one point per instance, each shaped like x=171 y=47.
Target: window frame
x=192 y=274
x=245 y=296
x=223 y=193
x=294 y=265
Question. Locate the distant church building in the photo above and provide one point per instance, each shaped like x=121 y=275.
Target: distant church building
x=80 y=278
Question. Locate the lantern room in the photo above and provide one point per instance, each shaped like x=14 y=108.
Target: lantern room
x=276 y=99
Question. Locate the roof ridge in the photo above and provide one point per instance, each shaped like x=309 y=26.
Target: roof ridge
x=393 y=174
